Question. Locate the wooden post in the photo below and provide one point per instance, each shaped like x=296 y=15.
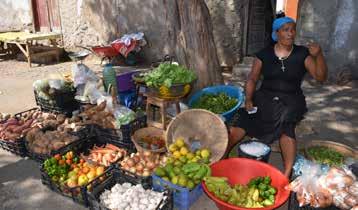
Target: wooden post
x=28 y=54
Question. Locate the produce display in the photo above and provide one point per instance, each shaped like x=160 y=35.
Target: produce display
x=105 y=155
x=152 y=142
x=185 y=168
x=257 y=193
x=216 y=103
x=167 y=74
x=97 y=115
x=131 y=197
x=337 y=187
x=70 y=170
x=143 y=163
x=326 y=155
x=48 y=88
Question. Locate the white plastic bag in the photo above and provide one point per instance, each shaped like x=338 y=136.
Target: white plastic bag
x=123 y=115
x=82 y=74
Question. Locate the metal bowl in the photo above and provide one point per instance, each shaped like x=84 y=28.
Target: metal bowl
x=78 y=56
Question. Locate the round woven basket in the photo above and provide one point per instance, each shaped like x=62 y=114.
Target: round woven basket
x=148 y=131
x=200 y=125
x=345 y=150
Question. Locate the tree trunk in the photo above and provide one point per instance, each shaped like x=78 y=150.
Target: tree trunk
x=191 y=36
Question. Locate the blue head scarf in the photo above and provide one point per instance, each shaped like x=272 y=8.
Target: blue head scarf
x=278 y=23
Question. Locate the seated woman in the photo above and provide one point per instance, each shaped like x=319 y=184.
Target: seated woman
x=280 y=101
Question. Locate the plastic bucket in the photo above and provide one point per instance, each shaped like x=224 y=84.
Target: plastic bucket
x=231 y=91
x=125 y=81
x=243 y=154
x=241 y=170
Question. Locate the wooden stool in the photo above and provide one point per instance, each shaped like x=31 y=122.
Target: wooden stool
x=163 y=104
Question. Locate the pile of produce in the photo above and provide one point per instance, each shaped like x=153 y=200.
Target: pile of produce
x=152 y=142
x=131 y=197
x=105 y=155
x=71 y=171
x=143 y=163
x=337 y=187
x=48 y=89
x=97 y=115
x=167 y=74
x=43 y=142
x=216 y=103
x=325 y=155
x=185 y=168
x=257 y=193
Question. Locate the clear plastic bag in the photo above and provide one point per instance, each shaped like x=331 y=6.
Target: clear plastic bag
x=123 y=115
x=82 y=74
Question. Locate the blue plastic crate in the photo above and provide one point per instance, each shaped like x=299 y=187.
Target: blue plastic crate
x=183 y=197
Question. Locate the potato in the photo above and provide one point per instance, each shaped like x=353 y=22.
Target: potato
x=60 y=119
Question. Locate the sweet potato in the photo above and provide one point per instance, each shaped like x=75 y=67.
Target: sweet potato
x=19 y=129
x=101 y=106
x=60 y=119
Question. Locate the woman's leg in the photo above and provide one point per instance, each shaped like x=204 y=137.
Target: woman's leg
x=236 y=134
x=288 y=150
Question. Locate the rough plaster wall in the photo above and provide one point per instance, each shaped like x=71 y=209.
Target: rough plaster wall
x=334 y=25
x=15 y=15
x=225 y=17
x=88 y=22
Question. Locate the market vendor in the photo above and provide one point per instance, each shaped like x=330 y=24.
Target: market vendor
x=280 y=101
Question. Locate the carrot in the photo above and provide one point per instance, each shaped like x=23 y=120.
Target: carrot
x=111 y=146
x=103 y=151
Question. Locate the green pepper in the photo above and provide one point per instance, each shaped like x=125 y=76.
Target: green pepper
x=267 y=180
x=190 y=167
x=200 y=173
x=267 y=202
x=75 y=160
x=262 y=186
x=272 y=190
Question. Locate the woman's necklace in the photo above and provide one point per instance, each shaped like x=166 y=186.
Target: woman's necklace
x=283 y=68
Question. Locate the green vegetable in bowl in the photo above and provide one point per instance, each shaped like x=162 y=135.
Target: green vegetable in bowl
x=216 y=103
x=169 y=74
x=325 y=155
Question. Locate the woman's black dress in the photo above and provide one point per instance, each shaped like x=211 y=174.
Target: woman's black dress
x=280 y=100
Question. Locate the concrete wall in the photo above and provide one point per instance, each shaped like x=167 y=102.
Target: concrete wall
x=15 y=15
x=93 y=22
x=334 y=25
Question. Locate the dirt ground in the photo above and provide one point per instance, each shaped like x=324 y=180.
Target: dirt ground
x=332 y=116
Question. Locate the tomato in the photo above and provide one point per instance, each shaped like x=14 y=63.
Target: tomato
x=61 y=162
x=68 y=161
x=82 y=161
x=69 y=155
x=57 y=157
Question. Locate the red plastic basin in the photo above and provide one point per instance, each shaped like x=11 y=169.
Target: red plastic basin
x=241 y=170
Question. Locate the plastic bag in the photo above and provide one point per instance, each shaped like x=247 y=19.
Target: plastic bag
x=123 y=115
x=320 y=188
x=82 y=74
x=56 y=83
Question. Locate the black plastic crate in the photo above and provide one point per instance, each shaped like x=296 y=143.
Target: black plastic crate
x=83 y=135
x=17 y=147
x=77 y=194
x=116 y=176
x=63 y=103
x=122 y=135
x=145 y=181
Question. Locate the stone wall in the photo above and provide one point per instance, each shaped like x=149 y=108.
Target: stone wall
x=93 y=22
x=15 y=15
x=334 y=25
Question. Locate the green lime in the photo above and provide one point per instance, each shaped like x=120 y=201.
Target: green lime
x=190 y=184
x=160 y=172
x=175 y=180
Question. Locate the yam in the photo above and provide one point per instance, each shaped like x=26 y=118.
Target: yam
x=60 y=119
x=50 y=124
x=101 y=106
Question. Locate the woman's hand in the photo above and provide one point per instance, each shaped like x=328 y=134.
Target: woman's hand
x=248 y=105
x=314 y=49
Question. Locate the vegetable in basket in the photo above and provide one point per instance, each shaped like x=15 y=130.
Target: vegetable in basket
x=326 y=155
x=169 y=74
x=216 y=103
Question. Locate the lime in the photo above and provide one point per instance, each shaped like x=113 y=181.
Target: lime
x=176 y=154
x=190 y=155
x=175 y=179
x=182 y=181
x=179 y=142
x=198 y=153
x=177 y=170
x=177 y=163
x=160 y=172
x=205 y=153
x=166 y=178
x=190 y=184
x=184 y=151
x=172 y=148
x=183 y=159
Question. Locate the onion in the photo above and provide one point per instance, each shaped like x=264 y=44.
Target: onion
x=156 y=162
x=139 y=167
x=126 y=167
x=150 y=165
x=132 y=170
x=123 y=163
x=147 y=153
x=130 y=162
x=146 y=172
x=136 y=159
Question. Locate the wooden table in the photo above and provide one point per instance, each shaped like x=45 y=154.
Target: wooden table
x=23 y=38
